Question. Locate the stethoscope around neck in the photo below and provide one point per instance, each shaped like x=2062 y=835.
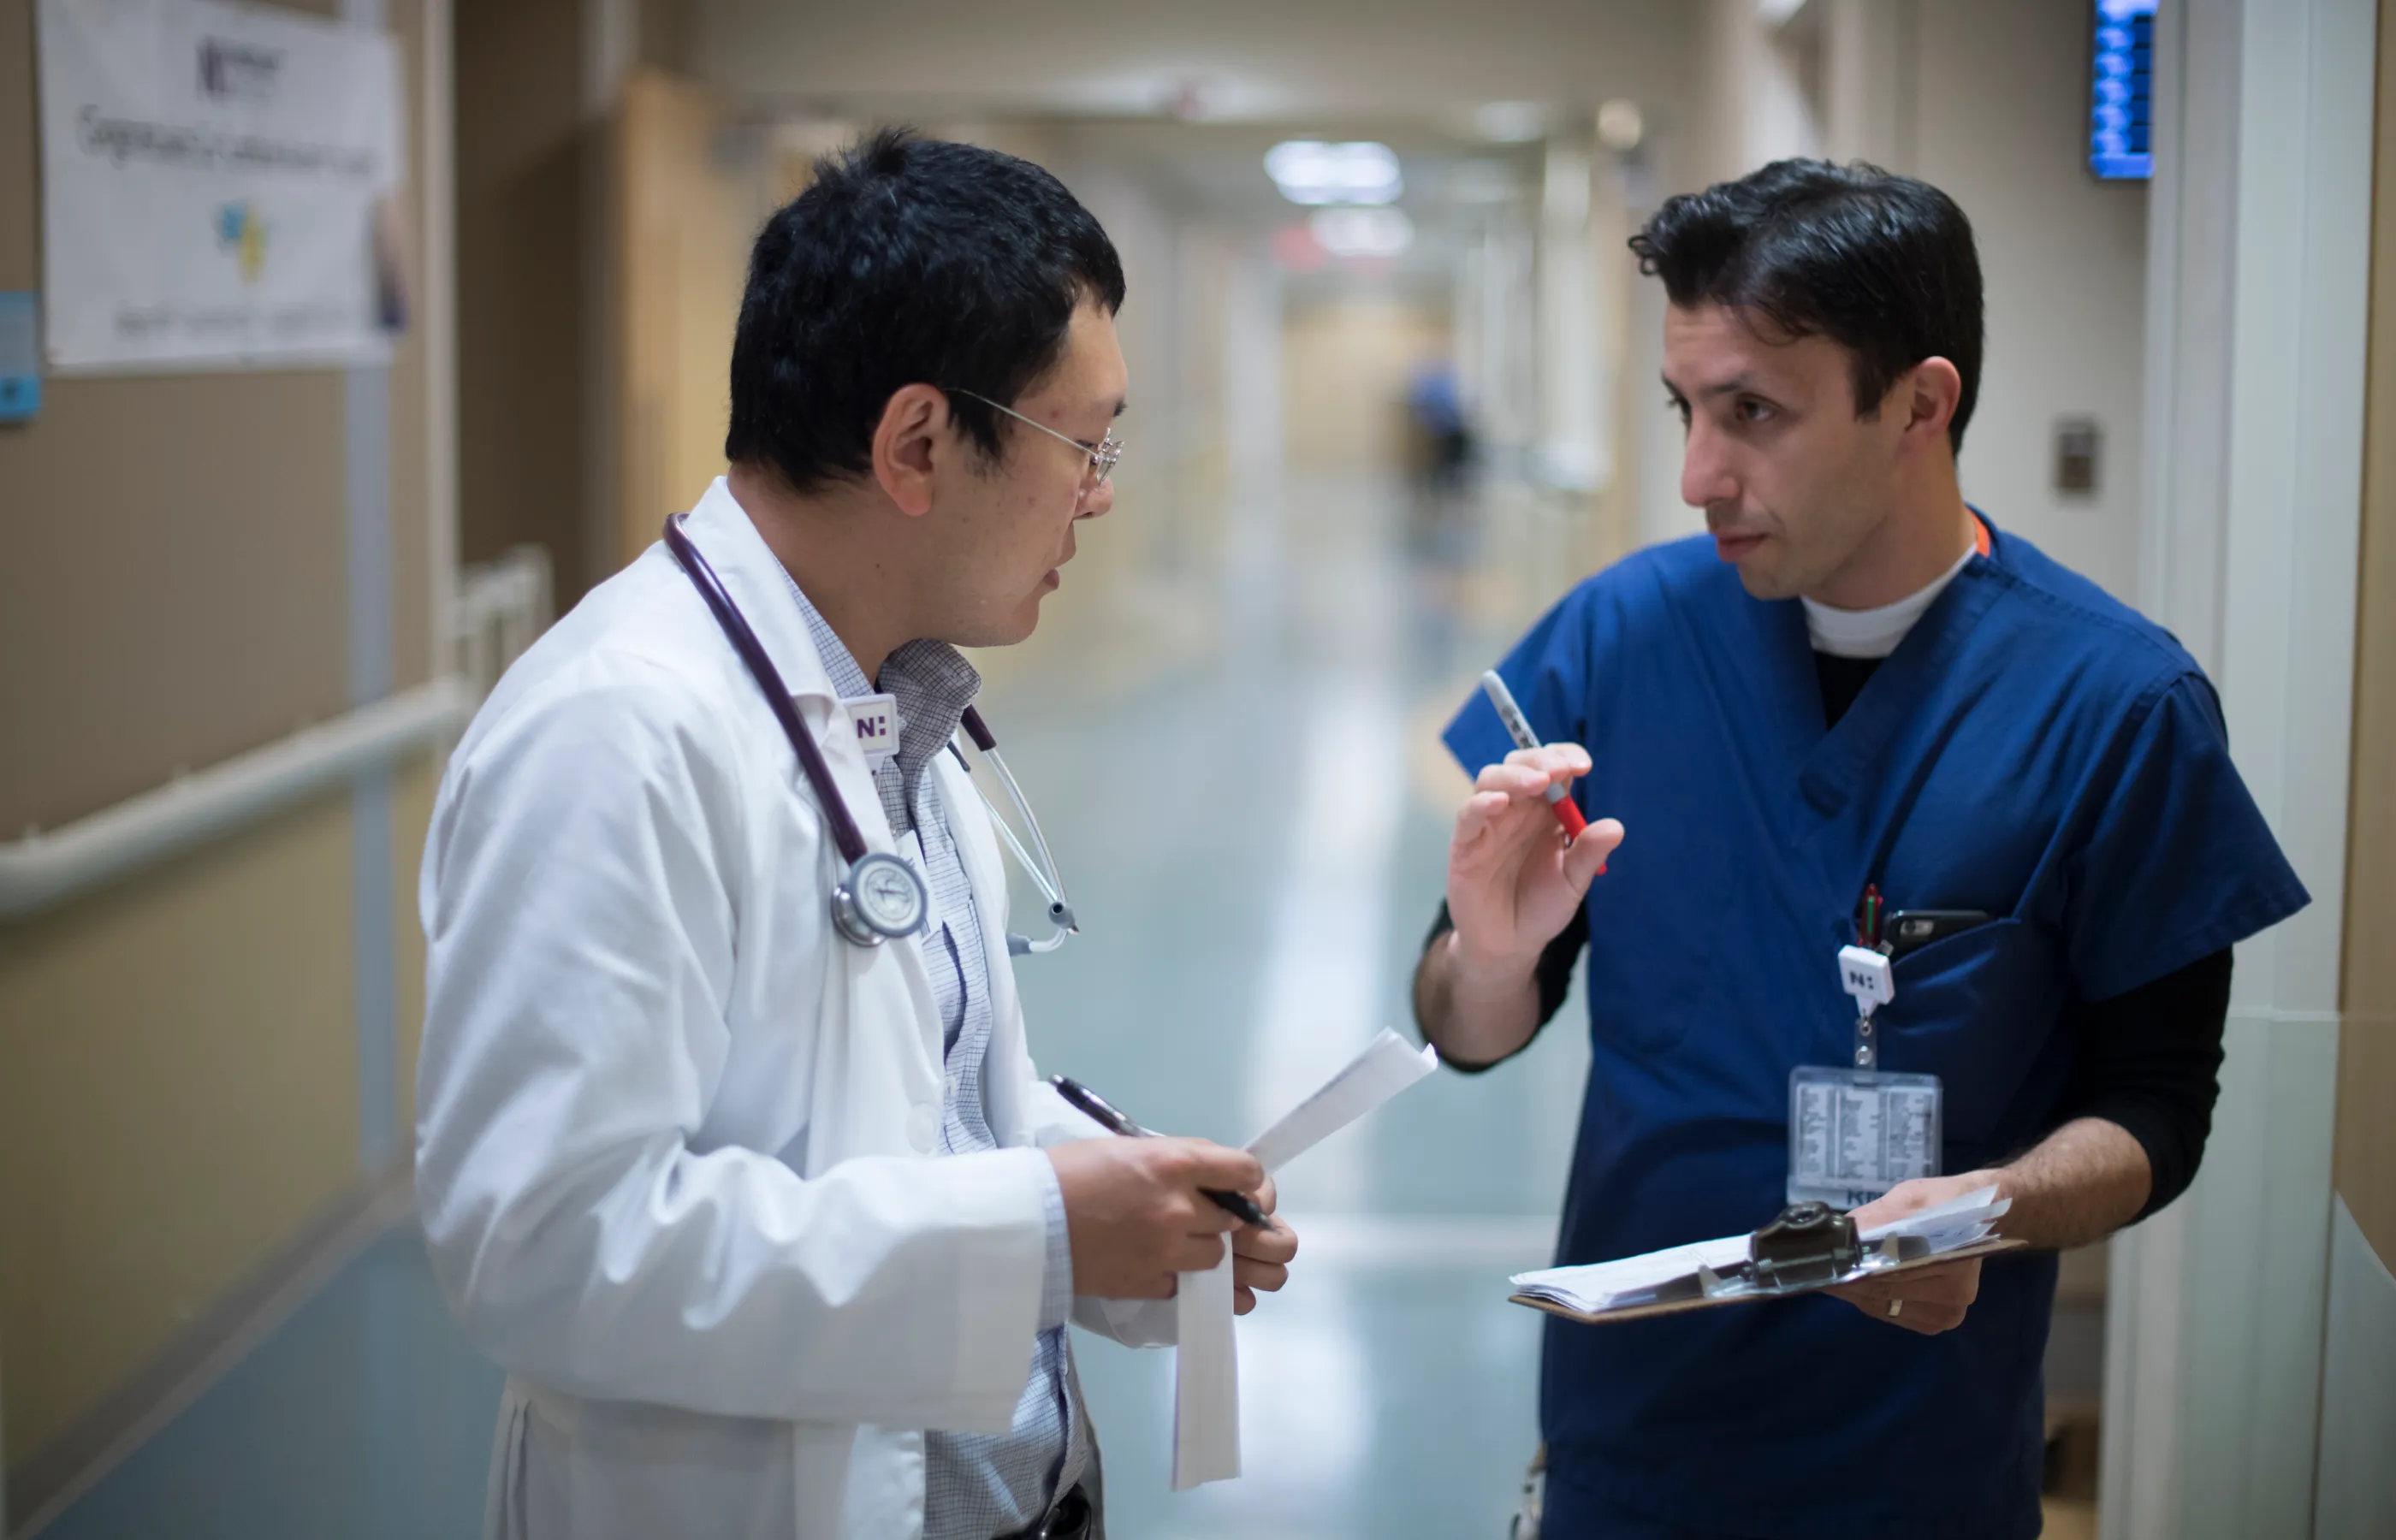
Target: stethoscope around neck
x=878 y=898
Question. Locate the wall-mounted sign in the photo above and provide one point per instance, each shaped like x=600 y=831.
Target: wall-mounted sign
x=2120 y=115
x=219 y=187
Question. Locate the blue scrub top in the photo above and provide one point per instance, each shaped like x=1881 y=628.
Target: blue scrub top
x=2033 y=748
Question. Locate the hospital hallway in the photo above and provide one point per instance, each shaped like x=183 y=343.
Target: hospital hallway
x=1245 y=797
x=347 y=352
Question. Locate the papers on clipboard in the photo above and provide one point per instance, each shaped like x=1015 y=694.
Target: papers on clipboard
x=1711 y=1272
x=1206 y=1371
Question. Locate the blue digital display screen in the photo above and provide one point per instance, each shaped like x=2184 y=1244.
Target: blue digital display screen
x=2119 y=111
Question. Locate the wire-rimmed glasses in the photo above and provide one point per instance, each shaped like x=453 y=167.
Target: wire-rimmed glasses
x=1103 y=454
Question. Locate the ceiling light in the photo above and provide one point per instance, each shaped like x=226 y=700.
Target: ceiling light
x=1363 y=232
x=1309 y=171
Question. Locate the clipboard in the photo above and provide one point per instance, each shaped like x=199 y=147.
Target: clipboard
x=1645 y=1310
x=1808 y=1247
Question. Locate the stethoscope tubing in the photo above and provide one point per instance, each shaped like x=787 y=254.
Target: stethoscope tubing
x=845 y=833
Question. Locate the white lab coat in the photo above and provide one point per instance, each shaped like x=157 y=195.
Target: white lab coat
x=674 y=1152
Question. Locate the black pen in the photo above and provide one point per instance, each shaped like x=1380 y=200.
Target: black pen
x=1238 y=1204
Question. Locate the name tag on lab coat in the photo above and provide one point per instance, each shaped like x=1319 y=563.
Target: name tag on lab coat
x=875 y=717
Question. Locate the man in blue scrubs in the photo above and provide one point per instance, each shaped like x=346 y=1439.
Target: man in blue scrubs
x=1854 y=680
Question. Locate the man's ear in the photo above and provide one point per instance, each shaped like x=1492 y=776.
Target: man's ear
x=1930 y=393
x=907 y=444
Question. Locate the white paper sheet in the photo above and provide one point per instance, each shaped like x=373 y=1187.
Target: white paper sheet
x=1206 y=1380
x=1206 y=1388
x=1387 y=1066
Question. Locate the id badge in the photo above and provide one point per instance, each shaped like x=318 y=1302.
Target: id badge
x=875 y=717
x=1855 y=1133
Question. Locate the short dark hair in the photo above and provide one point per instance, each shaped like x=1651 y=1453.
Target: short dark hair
x=907 y=261
x=1881 y=264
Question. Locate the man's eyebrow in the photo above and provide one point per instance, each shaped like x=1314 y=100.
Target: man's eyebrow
x=1743 y=380
x=1123 y=405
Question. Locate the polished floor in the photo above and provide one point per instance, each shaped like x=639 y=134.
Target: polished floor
x=1236 y=766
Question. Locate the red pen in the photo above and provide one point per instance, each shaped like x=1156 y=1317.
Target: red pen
x=1518 y=727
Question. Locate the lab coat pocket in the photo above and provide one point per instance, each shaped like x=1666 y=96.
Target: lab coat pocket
x=1978 y=1010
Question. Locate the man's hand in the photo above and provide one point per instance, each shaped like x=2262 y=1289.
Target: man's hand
x=1136 y=1216
x=1929 y=1300
x=1512 y=882
x=1260 y=1257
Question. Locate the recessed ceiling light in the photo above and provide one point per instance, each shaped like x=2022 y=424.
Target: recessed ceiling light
x=1309 y=171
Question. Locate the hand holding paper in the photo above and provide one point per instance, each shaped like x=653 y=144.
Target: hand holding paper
x=1944 y=1209
x=1135 y=1211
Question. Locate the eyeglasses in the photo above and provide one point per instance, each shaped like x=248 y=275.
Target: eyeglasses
x=1102 y=454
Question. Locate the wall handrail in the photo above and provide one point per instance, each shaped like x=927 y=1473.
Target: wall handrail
x=46 y=868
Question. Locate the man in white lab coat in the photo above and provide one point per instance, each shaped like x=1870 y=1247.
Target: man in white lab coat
x=776 y=1233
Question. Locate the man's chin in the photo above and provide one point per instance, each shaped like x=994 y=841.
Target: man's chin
x=1008 y=629
x=1762 y=582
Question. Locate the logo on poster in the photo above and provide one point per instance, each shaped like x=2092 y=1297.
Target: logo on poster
x=240 y=230
x=238 y=71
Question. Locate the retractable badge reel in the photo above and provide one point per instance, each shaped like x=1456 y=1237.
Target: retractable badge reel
x=1855 y=1131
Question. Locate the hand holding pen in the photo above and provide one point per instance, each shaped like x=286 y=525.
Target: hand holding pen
x=1096 y=1108
x=1513 y=886
x=1518 y=727
x=1140 y=1210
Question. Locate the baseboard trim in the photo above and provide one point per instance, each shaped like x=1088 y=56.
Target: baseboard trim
x=49 y=1479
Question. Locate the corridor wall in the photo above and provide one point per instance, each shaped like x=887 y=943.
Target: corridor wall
x=202 y=1065
x=2356 y=1494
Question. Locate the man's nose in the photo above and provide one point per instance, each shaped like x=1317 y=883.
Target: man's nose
x=1099 y=501
x=1706 y=477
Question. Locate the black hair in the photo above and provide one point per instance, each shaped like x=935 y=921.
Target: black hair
x=907 y=261
x=1881 y=264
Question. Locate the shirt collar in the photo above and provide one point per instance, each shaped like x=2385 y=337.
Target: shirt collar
x=930 y=680
x=1875 y=632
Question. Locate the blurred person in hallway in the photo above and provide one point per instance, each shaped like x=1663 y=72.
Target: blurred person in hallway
x=731 y=1151
x=1855 y=689
x=1440 y=452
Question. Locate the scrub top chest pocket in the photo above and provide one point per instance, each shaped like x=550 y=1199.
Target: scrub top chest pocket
x=1860 y=1128
x=1980 y=1009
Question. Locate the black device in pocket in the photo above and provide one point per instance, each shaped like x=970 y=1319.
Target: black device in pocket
x=1911 y=930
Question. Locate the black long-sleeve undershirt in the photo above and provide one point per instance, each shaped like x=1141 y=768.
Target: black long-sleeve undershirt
x=2148 y=1060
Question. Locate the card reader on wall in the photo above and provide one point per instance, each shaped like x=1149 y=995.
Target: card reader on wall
x=20 y=358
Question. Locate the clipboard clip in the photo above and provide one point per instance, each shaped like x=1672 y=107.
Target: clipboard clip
x=1805 y=1246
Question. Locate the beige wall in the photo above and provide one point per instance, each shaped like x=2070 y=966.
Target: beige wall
x=525 y=182
x=175 y=1102
x=688 y=204
x=1345 y=366
x=179 y=1053
x=2365 y=1171
x=2000 y=94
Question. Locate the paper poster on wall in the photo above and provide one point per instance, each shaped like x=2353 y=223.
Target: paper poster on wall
x=220 y=187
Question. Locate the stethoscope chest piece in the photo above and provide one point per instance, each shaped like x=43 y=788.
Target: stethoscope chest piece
x=881 y=899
